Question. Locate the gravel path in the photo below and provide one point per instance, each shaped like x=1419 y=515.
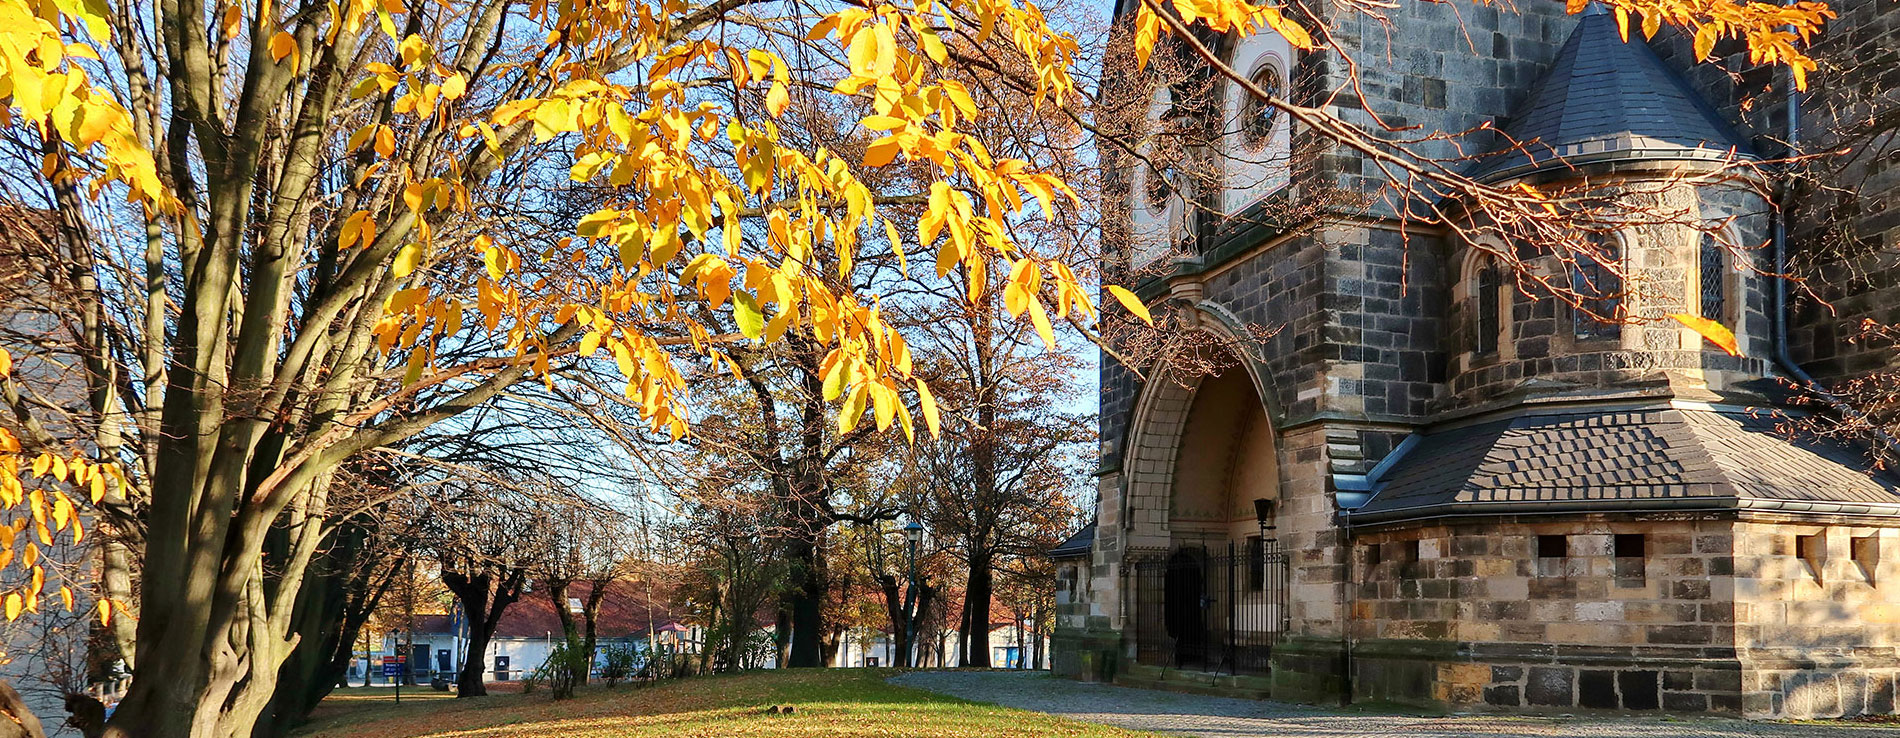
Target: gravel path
x=1222 y=717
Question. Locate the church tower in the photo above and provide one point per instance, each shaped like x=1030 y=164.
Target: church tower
x=1399 y=475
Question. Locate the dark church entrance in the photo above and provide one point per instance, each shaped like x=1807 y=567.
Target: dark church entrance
x=1217 y=613
x=1185 y=608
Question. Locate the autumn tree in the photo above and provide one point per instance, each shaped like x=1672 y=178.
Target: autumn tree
x=486 y=532
x=586 y=542
x=284 y=226
x=375 y=537
x=1006 y=470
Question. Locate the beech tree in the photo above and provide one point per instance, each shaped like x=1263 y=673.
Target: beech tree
x=292 y=236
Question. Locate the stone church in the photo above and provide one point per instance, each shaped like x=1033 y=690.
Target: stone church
x=1424 y=486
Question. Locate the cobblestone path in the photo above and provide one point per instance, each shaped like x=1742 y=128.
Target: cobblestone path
x=1222 y=717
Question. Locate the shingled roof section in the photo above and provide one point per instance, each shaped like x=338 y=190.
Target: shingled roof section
x=1077 y=545
x=1605 y=97
x=1657 y=458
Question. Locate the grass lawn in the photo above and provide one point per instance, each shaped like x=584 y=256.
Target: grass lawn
x=829 y=702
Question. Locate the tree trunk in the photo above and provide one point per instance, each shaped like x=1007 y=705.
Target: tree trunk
x=806 y=603
x=483 y=603
x=976 y=614
x=469 y=681
x=782 y=635
x=16 y=720
x=905 y=611
x=312 y=669
x=1021 y=652
x=557 y=594
x=590 y=615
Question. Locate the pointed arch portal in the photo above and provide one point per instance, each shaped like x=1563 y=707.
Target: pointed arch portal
x=1208 y=582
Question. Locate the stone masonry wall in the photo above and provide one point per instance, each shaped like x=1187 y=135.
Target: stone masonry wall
x=1847 y=237
x=1477 y=616
x=1450 y=68
x=1663 y=266
x=1817 y=613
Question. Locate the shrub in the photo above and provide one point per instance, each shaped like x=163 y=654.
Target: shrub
x=566 y=668
x=619 y=664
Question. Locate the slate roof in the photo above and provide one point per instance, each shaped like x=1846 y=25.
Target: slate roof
x=624 y=612
x=1658 y=458
x=1076 y=545
x=1606 y=97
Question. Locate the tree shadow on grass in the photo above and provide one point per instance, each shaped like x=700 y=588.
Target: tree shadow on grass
x=827 y=702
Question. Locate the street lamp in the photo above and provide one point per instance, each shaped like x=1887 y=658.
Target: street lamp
x=1263 y=512
x=914 y=535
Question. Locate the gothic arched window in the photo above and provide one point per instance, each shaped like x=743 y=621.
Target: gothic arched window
x=1714 y=273
x=1599 y=288
x=1488 y=323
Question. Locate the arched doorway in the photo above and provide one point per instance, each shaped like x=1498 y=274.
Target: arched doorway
x=1208 y=582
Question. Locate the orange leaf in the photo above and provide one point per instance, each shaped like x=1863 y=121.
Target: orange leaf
x=281 y=45
x=1717 y=333
x=881 y=151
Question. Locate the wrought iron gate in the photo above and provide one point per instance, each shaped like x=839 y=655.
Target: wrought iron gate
x=1213 y=611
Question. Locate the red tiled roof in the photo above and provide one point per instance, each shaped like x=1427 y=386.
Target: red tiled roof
x=624 y=611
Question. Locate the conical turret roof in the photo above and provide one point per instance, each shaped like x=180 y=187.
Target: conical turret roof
x=1604 y=98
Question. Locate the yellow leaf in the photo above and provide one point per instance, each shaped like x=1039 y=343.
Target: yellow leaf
x=1292 y=31
x=95 y=122
x=745 y=311
x=883 y=405
x=13 y=606
x=406 y=260
x=778 y=99
x=1132 y=303
x=1041 y=320
x=455 y=86
x=853 y=410
x=281 y=45
x=6 y=362
x=1717 y=333
x=492 y=259
x=928 y=404
x=1704 y=42
x=104 y=607
x=881 y=151
x=1147 y=33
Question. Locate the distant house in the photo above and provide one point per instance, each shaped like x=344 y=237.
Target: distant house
x=867 y=647
x=528 y=632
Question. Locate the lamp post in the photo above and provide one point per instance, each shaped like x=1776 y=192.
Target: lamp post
x=1263 y=512
x=913 y=535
